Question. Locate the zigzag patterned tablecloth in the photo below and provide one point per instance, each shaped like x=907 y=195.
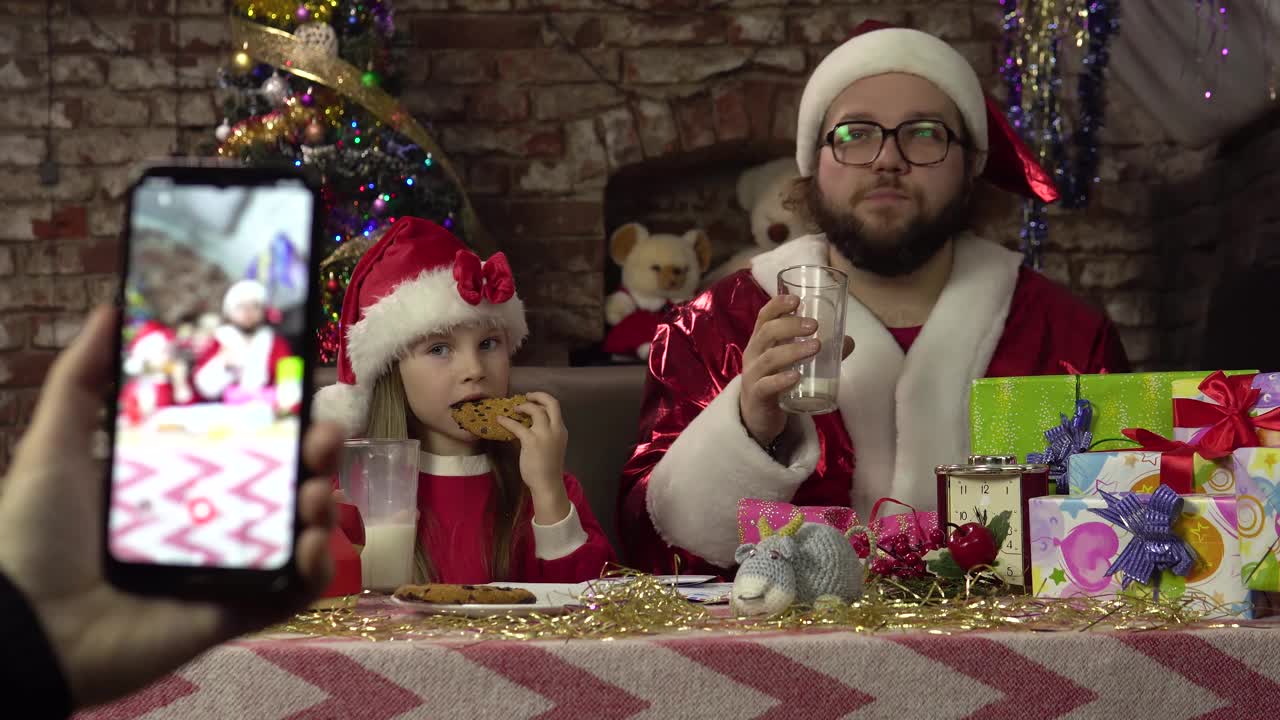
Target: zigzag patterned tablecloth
x=200 y=494
x=1227 y=673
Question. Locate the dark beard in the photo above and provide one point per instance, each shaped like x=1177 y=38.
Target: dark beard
x=915 y=245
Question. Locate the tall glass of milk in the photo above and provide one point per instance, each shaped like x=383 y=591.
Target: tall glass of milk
x=381 y=478
x=823 y=292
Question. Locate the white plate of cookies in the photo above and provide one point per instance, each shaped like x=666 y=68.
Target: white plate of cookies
x=490 y=599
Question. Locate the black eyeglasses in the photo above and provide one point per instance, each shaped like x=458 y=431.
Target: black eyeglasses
x=921 y=142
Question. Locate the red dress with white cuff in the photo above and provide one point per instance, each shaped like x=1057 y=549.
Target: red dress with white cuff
x=453 y=497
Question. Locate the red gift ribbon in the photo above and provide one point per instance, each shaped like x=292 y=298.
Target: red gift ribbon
x=1177 y=458
x=1070 y=369
x=1228 y=420
x=921 y=535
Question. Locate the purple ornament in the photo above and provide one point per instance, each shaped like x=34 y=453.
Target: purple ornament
x=379 y=206
x=307 y=100
x=303 y=14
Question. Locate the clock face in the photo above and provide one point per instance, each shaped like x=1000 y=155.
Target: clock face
x=969 y=495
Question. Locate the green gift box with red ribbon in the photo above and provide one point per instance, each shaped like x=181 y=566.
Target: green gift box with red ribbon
x=1027 y=415
x=1212 y=417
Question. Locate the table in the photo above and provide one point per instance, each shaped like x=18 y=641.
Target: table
x=1208 y=673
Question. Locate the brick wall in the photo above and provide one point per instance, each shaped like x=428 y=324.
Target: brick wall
x=549 y=107
x=1219 y=235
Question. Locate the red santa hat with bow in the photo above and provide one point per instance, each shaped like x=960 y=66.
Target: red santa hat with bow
x=877 y=48
x=418 y=279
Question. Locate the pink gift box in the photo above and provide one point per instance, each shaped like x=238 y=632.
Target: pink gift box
x=920 y=527
x=236 y=396
x=777 y=514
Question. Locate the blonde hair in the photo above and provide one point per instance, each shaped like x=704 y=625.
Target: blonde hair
x=391 y=418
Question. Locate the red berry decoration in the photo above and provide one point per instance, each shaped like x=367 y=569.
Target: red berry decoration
x=971 y=545
x=882 y=566
x=861 y=545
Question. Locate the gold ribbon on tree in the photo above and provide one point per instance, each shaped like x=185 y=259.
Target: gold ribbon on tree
x=282 y=50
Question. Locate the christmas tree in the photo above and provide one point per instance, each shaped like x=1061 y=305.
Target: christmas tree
x=312 y=84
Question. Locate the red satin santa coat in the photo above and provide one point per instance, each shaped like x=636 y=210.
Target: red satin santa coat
x=697 y=352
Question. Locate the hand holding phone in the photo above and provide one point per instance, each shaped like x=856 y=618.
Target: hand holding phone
x=109 y=642
x=203 y=480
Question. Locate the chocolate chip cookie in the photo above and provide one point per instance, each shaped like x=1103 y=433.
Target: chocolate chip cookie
x=444 y=594
x=477 y=417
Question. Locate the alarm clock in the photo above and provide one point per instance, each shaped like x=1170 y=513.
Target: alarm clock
x=992 y=484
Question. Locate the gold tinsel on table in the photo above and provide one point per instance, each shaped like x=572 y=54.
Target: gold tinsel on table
x=640 y=605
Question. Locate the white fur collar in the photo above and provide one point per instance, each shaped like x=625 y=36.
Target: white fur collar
x=908 y=414
x=251 y=352
x=453 y=465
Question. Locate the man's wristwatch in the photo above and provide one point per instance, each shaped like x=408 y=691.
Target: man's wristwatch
x=772 y=448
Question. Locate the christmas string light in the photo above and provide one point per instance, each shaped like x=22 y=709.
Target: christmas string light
x=1213 y=16
x=293 y=119
x=286 y=14
x=350 y=141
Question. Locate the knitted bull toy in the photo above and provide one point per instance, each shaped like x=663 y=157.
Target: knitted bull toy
x=799 y=563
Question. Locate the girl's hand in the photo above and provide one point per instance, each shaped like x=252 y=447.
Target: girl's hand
x=542 y=449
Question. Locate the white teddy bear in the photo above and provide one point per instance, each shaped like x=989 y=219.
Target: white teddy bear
x=761 y=191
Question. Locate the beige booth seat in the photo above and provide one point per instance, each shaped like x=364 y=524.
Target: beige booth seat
x=601 y=407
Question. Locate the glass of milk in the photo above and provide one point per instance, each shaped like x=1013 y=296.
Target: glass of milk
x=381 y=478
x=822 y=291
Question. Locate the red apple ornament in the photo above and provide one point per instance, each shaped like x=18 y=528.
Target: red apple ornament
x=971 y=545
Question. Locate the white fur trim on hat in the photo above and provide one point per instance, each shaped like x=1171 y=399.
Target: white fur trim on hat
x=883 y=51
x=346 y=405
x=427 y=304
x=242 y=292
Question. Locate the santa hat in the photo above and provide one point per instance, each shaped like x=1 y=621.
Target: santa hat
x=150 y=339
x=242 y=292
x=418 y=279
x=877 y=48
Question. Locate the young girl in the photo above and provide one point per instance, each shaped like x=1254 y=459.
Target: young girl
x=426 y=326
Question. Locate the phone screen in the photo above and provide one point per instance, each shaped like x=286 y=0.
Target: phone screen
x=205 y=448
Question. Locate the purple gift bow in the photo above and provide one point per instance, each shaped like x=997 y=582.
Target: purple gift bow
x=1154 y=547
x=1064 y=440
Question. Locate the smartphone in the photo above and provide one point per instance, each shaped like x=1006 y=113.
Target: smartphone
x=213 y=381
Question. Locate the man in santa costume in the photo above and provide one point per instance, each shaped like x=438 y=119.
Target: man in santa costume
x=157 y=376
x=241 y=361
x=894 y=132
